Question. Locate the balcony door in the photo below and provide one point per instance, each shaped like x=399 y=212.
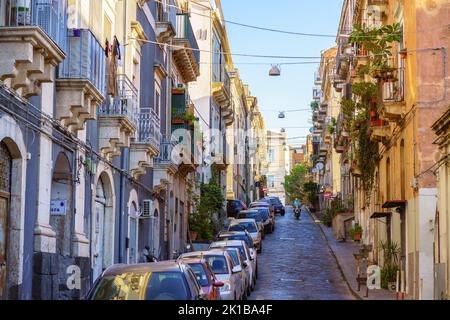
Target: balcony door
x=98 y=232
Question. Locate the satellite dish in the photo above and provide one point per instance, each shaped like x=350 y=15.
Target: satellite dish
x=319 y=166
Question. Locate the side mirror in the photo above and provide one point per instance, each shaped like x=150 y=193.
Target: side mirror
x=218 y=284
x=237 y=269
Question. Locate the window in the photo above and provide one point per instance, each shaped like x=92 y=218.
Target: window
x=271 y=155
x=126 y=286
x=167 y=286
x=157 y=98
x=271 y=181
x=200 y=274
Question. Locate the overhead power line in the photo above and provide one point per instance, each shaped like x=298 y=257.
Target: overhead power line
x=295 y=33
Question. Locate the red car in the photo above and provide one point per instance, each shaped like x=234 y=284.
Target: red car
x=205 y=277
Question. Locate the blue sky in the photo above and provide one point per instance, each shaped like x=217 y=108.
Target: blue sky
x=293 y=89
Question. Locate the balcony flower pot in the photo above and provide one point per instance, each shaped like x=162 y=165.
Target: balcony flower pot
x=178 y=121
x=357 y=236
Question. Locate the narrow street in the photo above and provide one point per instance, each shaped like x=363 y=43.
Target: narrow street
x=296 y=264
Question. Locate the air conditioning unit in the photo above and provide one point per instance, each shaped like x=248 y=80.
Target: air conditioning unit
x=148 y=209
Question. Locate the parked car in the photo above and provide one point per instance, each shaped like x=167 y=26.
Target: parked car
x=167 y=280
x=245 y=252
x=263 y=203
x=234 y=206
x=221 y=264
x=268 y=220
x=277 y=205
x=238 y=261
x=206 y=277
x=240 y=235
x=198 y=246
x=251 y=226
x=256 y=215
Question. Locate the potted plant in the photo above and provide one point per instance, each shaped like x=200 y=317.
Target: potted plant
x=356 y=232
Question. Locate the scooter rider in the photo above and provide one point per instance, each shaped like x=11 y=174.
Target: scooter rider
x=297 y=209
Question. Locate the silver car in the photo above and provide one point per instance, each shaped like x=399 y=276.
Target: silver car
x=251 y=226
x=222 y=265
x=250 y=267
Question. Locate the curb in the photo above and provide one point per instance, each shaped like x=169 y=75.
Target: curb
x=319 y=225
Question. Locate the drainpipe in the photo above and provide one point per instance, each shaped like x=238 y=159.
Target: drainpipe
x=122 y=211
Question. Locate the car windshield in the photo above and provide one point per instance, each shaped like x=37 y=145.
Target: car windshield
x=242 y=226
x=218 y=264
x=166 y=285
x=264 y=213
x=247 y=240
x=125 y=286
x=200 y=273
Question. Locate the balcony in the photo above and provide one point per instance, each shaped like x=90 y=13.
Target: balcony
x=164 y=165
x=323 y=109
x=317 y=94
x=165 y=26
x=394 y=106
x=379 y=130
x=317 y=79
x=32 y=44
x=221 y=91
x=80 y=87
x=323 y=150
x=186 y=55
x=118 y=118
x=318 y=130
x=143 y=151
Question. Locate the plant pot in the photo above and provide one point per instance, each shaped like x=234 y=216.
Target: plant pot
x=392 y=286
x=178 y=121
x=193 y=235
x=357 y=236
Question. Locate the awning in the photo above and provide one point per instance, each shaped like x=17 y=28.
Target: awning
x=394 y=204
x=376 y=215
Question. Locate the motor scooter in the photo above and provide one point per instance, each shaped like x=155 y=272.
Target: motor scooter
x=149 y=256
x=297 y=212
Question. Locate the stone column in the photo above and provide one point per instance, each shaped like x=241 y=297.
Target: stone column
x=45 y=237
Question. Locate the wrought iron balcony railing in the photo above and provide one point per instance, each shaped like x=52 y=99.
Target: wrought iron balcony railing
x=49 y=15
x=166 y=147
x=149 y=127
x=125 y=103
x=85 y=59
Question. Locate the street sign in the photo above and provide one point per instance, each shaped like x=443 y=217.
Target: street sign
x=58 y=207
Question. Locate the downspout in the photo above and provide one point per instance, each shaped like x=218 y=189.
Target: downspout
x=122 y=213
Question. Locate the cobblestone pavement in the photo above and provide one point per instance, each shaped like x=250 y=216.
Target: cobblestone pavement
x=296 y=264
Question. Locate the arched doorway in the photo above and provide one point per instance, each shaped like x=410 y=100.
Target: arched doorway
x=61 y=200
x=5 y=192
x=102 y=226
x=132 y=233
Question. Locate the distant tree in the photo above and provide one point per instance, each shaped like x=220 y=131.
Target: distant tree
x=294 y=182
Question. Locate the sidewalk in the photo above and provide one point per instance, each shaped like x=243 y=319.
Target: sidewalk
x=343 y=253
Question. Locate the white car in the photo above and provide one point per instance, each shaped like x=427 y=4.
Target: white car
x=250 y=267
x=222 y=265
x=251 y=226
